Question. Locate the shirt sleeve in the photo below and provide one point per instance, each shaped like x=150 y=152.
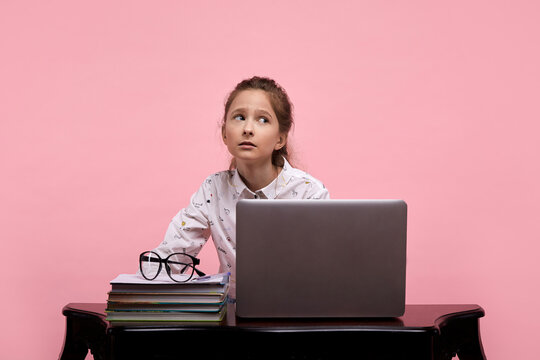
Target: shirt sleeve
x=319 y=192
x=315 y=189
x=189 y=230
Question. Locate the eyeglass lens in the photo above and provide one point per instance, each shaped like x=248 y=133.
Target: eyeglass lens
x=180 y=267
x=150 y=265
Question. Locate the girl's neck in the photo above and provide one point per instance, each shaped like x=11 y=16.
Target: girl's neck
x=257 y=176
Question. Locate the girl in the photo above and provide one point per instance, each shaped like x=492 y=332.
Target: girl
x=255 y=127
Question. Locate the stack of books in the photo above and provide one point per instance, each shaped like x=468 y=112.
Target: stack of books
x=134 y=299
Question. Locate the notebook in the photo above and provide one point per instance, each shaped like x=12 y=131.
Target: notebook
x=320 y=258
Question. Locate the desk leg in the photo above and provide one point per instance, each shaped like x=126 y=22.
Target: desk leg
x=461 y=337
x=83 y=334
x=472 y=350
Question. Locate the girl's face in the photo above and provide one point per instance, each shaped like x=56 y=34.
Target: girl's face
x=251 y=130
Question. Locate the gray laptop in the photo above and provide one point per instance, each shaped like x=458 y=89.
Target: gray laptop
x=320 y=258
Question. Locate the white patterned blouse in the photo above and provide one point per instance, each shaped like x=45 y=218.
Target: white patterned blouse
x=212 y=211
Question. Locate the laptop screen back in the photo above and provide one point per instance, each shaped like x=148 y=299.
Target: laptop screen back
x=321 y=258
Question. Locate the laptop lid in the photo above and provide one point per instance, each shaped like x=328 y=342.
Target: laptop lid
x=320 y=258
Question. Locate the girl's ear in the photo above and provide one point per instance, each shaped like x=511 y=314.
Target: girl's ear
x=282 y=142
x=223 y=136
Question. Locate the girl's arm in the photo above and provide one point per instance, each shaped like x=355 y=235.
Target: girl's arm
x=189 y=230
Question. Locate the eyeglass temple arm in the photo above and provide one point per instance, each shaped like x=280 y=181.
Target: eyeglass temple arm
x=158 y=260
x=199 y=272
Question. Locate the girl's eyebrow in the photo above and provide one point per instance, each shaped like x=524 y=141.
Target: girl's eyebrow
x=242 y=109
x=266 y=113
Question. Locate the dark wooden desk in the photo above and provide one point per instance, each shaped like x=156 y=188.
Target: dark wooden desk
x=423 y=332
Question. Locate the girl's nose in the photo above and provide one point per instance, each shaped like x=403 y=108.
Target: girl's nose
x=248 y=128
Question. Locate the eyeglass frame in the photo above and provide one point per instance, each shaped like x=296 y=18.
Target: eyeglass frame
x=160 y=260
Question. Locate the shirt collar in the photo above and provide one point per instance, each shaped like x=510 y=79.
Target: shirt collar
x=272 y=190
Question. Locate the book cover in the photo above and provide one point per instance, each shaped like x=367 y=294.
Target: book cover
x=165 y=316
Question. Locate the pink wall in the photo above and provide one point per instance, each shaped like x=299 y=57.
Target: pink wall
x=108 y=123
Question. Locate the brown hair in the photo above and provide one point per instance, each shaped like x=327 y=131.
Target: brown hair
x=281 y=104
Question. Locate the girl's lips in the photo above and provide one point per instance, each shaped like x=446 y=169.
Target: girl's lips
x=247 y=144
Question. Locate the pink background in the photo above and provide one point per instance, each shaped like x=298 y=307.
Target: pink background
x=109 y=122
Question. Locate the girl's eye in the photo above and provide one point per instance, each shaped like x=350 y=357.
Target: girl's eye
x=238 y=117
x=263 y=120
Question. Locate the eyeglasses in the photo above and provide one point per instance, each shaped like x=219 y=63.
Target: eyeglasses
x=179 y=266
